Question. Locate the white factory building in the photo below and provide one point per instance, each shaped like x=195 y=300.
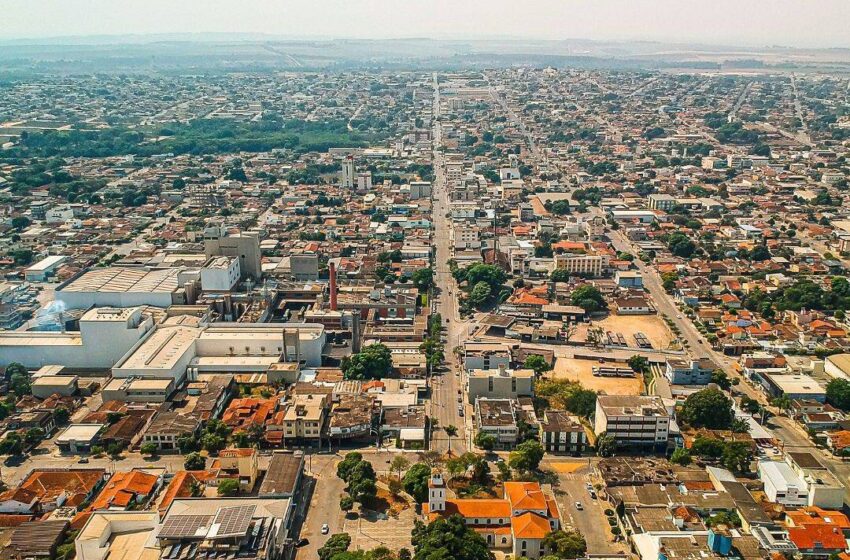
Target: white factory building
x=105 y=335
x=178 y=351
x=122 y=287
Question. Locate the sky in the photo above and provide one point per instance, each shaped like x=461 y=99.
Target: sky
x=796 y=23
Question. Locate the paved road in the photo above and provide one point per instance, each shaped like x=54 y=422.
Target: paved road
x=517 y=121
x=445 y=386
x=13 y=474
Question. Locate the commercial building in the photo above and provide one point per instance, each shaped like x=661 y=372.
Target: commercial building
x=500 y=383
x=44 y=268
x=79 y=438
x=135 y=389
x=633 y=421
x=792 y=386
x=498 y=418
x=837 y=366
x=679 y=371
x=782 y=485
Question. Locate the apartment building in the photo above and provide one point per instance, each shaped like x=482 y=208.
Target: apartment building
x=633 y=421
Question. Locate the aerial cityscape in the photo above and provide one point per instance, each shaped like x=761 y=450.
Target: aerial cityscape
x=425 y=298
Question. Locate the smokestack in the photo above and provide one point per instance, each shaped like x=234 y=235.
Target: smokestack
x=332 y=273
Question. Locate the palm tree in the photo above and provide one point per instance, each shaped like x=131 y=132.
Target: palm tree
x=451 y=431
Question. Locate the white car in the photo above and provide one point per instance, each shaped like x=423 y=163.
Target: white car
x=325 y=529
x=579 y=506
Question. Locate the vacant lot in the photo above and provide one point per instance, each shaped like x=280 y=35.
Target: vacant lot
x=580 y=370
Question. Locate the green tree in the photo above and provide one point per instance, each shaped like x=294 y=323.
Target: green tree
x=194 y=462
x=838 y=393
x=346 y=466
x=451 y=431
x=606 y=445
x=336 y=544
x=398 y=464
x=588 y=297
x=537 y=363
x=719 y=378
x=148 y=449
x=750 y=405
x=228 y=487
x=480 y=294
x=448 y=538
x=565 y=544
x=33 y=436
x=526 y=457
x=423 y=278
x=708 y=408
x=346 y=503
x=415 y=481
x=639 y=364
x=491 y=274
x=20 y=383
x=737 y=456
x=560 y=275
x=372 y=362
x=11 y=444
x=485 y=441
x=61 y=416
x=681 y=456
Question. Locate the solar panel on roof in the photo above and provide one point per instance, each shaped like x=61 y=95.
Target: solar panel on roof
x=234 y=521
x=184 y=526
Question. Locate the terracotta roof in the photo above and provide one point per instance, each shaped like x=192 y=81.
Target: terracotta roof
x=123 y=488
x=478 y=508
x=826 y=537
x=815 y=516
x=530 y=526
x=525 y=496
x=76 y=483
x=181 y=486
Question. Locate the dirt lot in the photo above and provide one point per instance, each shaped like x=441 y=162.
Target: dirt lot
x=627 y=325
x=581 y=370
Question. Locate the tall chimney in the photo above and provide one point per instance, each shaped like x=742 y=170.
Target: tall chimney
x=332 y=272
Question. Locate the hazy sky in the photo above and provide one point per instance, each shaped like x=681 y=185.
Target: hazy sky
x=823 y=23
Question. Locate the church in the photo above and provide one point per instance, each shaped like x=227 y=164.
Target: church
x=516 y=523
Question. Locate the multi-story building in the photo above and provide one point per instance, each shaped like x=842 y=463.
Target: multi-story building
x=561 y=432
x=633 y=421
x=498 y=418
x=500 y=383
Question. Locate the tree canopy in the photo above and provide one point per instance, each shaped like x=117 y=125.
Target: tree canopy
x=448 y=538
x=708 y=408
x=415 y=481
x=372 y=362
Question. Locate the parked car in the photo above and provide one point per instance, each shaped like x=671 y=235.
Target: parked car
x=325 y=529
x=579 y=506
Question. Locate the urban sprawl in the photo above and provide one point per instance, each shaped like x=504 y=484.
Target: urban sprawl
x=517 y=313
